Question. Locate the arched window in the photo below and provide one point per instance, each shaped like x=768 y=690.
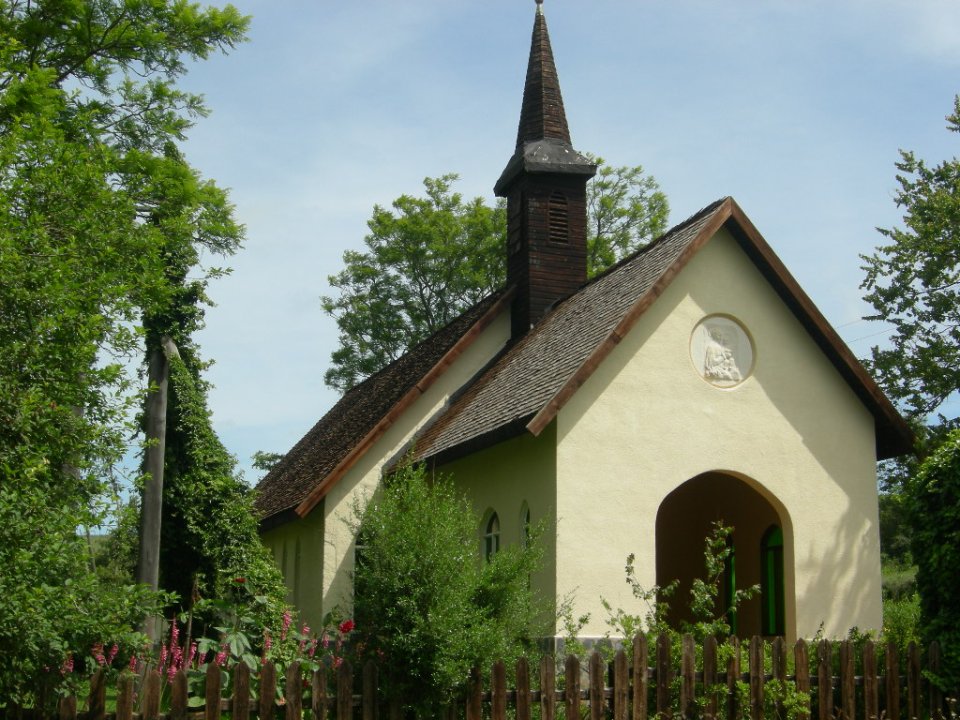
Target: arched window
x=491 y=537
x=730 y=585
x=771 y=582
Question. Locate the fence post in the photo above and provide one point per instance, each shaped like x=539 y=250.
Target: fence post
x=641 y=682
x=733 y=678
x=571 y=690
x=892 y=695
x=212 y=695
x=498 y=691
x=936 y=695
x=596 y=686
x=474 y=696
x=241 y=691
x=293 y=692
x=68 y=708
x=345 y=691
x=125 y=699
x=548 y=695
x=664 y=676
x=688 y=674
x=871 y=689
x=801 y=662
x=847 y=676
x=179 y=695
x=268 y=691
x=97 y=703
x=621 y=686
x=523 y=689
x=913 y=682
x=151 y=695
x=710 y=677
x=370 y=699
x=778 y=665
x=756 y=677
x=319 y=686
x=825 y=680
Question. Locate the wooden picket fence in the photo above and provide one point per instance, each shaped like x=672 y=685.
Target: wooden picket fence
x=641 y=682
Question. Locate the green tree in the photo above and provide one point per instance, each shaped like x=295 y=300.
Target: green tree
x=934 y=508
x=426 y=600
x=625 y=210
x=92 y=189
x=914 y=283
x=430 y=258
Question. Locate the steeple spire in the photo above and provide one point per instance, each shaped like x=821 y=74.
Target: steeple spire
x=545 y=186
x=542 y=115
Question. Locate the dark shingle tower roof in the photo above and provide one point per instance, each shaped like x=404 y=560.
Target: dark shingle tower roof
x=542 y=115
x=543 y=136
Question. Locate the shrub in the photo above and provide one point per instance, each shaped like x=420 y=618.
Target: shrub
x=934 y=507
x=426 y=602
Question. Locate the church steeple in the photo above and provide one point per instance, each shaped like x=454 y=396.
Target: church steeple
x=545 y=186
x=542 y=115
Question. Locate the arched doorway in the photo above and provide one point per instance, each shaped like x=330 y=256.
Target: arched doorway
x=758 y=555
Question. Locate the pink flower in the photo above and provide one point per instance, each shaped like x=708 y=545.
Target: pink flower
x=113 y=654
x=313 y=648
x=221 y=658
x=97 y=652
x=193 y=653
x=337 y=662
x=163 y=658
x=326 y=641
x=174 y=633
x=134 y=663
x=67 y=666
x=346 y=627
x=287 y=619
x=267 y=644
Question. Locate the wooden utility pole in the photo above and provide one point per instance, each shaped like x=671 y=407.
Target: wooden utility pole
x=158 y=376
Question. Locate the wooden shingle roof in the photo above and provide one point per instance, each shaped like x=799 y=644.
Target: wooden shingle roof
x=524 y=388
x=363 y=414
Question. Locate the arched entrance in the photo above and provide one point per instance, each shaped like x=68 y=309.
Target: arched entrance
x=760 y=550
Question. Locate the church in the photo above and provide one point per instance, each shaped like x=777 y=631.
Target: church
x=692 y=382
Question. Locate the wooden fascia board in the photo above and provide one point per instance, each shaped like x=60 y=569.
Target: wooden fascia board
x=824 y=335
x=549 y=411
x=404 y=403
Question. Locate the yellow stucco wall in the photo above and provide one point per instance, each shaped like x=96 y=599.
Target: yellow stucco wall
x=646 y=422
x=325 y=537
x=298 y=551
x=508 y=478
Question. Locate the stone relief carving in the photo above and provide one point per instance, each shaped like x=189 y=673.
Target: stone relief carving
x=721 y=351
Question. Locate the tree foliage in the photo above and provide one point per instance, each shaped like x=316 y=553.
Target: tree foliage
x=209 y=532
x=934 y=508
x=430 y=258
x=914 y=283
x=92 y=189
x=426 y=600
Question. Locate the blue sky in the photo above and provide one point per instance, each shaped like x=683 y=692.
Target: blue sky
x=796 y=109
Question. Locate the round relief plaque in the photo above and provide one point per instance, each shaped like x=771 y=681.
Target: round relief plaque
x=721 y=351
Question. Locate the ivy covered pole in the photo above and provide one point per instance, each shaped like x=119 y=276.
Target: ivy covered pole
x=148 y=566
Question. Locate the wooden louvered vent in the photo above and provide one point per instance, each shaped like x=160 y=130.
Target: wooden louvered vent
x=559 y=218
